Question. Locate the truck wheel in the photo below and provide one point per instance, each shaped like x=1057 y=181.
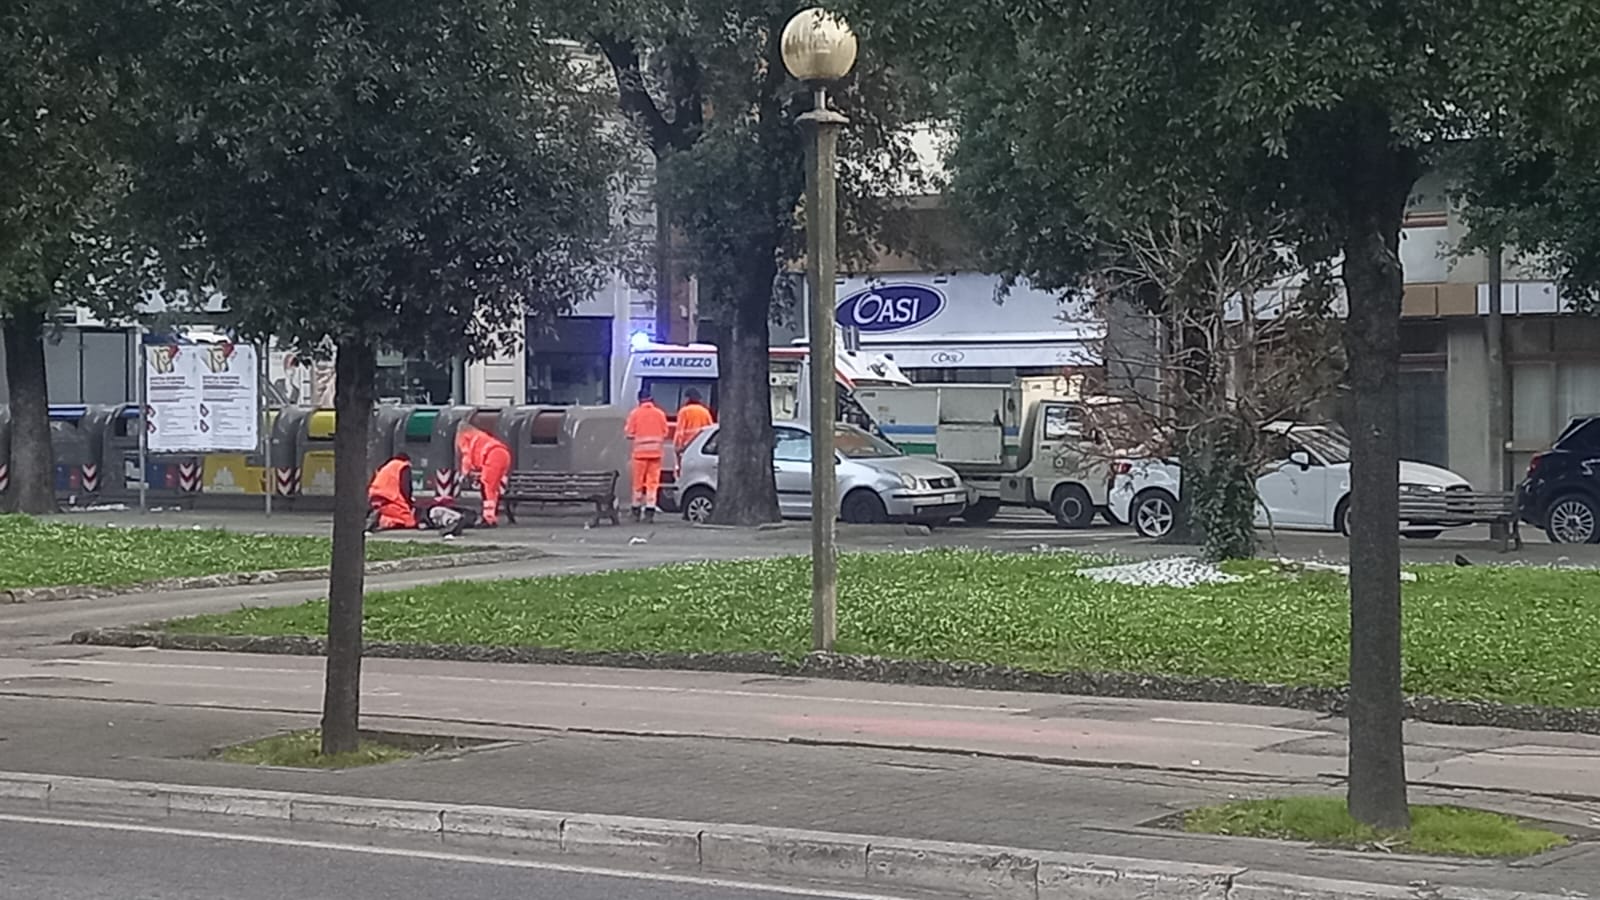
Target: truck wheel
x=1071 y=506
x=982 y=512
x=863 y=507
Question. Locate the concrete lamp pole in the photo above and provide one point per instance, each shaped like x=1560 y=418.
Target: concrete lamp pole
x=818 y=48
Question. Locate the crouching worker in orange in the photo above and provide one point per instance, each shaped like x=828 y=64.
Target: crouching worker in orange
x=646 y=430
x=480 y=453
x=389 y=495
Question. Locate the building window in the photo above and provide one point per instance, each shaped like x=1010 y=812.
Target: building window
x=1424 y=416
x=412 y=381
x=572 y=363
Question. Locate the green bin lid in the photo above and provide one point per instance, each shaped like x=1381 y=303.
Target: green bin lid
x=420 y=426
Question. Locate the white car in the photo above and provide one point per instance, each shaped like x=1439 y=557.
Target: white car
x=1309 y=489
x=877 y=482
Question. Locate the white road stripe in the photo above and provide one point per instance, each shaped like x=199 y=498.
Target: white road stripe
x=442 y=856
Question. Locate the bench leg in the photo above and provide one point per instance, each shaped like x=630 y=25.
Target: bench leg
x=510 y=508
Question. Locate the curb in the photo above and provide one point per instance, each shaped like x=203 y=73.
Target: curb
x=269 y=576
x=844 y=667
x=881 y=862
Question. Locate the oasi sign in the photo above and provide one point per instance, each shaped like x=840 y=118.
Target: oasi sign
x=889 y=307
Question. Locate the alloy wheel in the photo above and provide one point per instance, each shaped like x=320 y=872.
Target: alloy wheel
x=1572 y=522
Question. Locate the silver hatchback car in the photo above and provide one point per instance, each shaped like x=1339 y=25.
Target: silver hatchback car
x=877 y=483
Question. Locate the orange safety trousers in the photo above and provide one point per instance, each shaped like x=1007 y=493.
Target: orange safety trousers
x=646 y=481
x=496 y=465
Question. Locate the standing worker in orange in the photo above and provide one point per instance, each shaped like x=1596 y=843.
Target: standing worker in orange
x=478 y=451
x=389 y=495
x=646 y=429
x=693 y=418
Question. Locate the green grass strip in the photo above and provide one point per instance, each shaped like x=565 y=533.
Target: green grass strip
x=1435 y=830
x=35 y=553
x=1517 y=635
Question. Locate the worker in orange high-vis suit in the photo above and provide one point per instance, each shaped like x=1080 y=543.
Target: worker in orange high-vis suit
x=693 y=418
x=481 y=453
x=646 y=429
x=389 y=495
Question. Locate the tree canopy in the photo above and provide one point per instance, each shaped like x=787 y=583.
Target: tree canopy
x=420 y=176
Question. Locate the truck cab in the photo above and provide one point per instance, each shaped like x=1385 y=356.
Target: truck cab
x=1014 y=445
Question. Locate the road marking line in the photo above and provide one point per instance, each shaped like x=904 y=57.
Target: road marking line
x=443 y=856
x=513 y=682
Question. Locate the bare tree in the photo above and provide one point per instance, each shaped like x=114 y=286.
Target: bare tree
x=1240 y=345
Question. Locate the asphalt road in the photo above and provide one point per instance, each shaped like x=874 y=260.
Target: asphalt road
x=85 y=859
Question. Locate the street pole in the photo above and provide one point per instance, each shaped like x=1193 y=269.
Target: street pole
x=1499 y=420
x=144 y=424
x=269 y=481
x=822 y=214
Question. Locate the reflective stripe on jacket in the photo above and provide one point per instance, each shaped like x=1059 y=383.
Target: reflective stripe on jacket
x=647 y=428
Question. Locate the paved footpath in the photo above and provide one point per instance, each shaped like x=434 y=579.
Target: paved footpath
x=1094 y=810
x=1030 y=770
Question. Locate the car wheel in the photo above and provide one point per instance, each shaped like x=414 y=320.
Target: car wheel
x=1071 y=506
x=1573 y=519
x=982 y=512
x=1341 y=517
x=863 y=507
x=699 y=504
x=1153 y=512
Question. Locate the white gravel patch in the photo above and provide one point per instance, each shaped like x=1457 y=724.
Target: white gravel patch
x=1174 y=571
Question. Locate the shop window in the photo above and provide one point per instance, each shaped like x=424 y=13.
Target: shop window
x=562 y=379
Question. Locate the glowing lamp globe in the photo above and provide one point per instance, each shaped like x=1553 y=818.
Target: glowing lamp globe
x=818 y=46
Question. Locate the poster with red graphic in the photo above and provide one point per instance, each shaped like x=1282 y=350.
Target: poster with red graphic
x=201 y=397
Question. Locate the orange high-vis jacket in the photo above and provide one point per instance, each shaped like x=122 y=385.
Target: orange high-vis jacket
x=472 y=448
x=693 y=418
x=647 y=428
x=392 y=483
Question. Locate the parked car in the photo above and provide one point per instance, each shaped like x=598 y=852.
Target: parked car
x=877 y=483
x=1561 y=492
x=1307 y=489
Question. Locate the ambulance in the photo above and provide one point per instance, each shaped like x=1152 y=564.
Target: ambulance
x=670 y=370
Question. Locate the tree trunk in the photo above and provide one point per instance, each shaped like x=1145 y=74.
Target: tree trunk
x=1380 y=177
x=355 y=374
x=32 y=458
x=747 y=492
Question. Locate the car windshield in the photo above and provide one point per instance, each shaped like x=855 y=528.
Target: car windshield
x=853 y=443
x=1332 y=446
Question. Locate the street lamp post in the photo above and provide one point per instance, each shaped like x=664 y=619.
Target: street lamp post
x=818 y=48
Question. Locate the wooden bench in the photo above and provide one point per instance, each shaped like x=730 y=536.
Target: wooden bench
x=599 y=488
x=1448 y=509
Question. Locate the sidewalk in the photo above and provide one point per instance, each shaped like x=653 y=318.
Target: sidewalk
x=842 y=789
x=1031 y=770
x=1244 y=740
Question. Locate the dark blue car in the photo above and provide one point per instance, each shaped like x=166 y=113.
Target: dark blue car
x=1562 y=491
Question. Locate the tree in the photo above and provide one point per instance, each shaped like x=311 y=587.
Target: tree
x=704 y=84
x=416 y=177
x=61 y=240
x=1324 y=114
x=1530 y=175
x=1238 y=358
